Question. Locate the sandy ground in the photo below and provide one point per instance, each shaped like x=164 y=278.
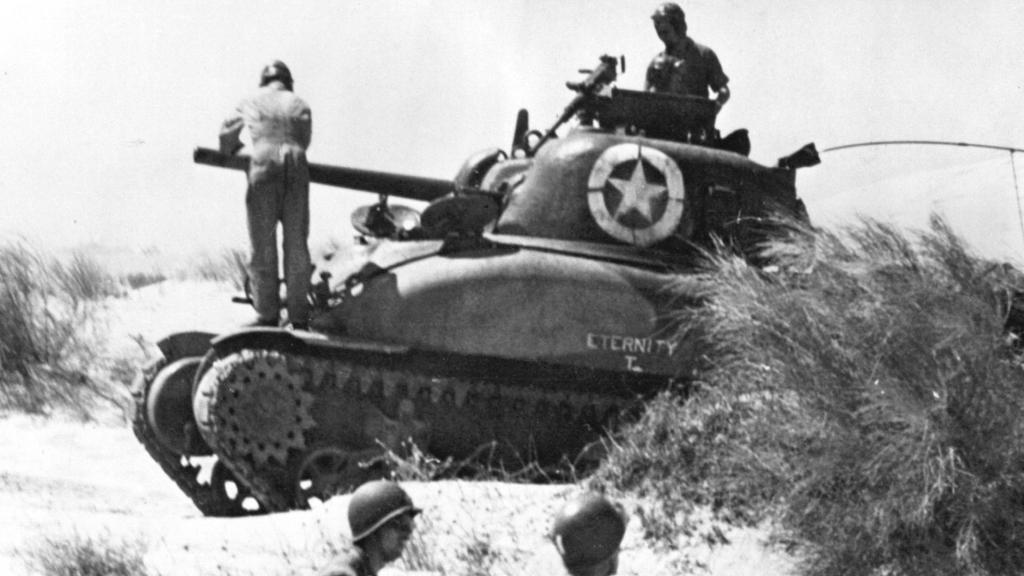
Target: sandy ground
x=59 y=476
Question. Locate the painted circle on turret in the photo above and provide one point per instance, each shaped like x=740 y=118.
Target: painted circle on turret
x=636 y=194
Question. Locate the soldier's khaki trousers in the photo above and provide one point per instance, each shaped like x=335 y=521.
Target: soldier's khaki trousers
x=279 y=192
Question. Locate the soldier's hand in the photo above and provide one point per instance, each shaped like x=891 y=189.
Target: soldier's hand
x=230 y=132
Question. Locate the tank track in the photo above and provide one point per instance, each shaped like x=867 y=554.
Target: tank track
x=208 y=498
x=400 y=390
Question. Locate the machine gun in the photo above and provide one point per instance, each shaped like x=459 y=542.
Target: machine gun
x=586 y=91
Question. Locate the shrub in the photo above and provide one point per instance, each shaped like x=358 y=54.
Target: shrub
x=864 y=389
x=83 y=278
x=37 y=321
x=231 y=265
x=41 y=325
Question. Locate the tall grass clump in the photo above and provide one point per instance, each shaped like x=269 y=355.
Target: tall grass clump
x=84 y=278
x=76 y=554
x=230 y=266
x=862 y=391
x=44 y=305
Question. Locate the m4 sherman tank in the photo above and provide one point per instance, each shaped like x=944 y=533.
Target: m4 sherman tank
x=512 y=323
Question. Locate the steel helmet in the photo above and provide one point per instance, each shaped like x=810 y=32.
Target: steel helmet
x=588 y=530
x=276 y=70
x=373 y=504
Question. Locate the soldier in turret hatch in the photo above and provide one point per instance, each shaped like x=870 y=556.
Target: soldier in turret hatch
x=684 y=67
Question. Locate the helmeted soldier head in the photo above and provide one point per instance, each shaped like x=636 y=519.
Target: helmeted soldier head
x=378 y=504
x=276 y=70
x=587 y=532
x=669 y=23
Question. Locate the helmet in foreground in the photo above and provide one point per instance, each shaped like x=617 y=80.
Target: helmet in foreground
x=588 y=530
x=375 y=503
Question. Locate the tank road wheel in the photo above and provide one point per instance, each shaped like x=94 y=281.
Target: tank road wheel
x=328 y=471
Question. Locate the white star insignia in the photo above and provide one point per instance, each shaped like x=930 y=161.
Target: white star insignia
x=633 y=208
x=637 y=194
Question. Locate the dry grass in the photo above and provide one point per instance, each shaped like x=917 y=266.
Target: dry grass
x=50 y=341
x=46 y=307
x=229 y=266
x=84 y=278
x=75 y=554
x=863 y=390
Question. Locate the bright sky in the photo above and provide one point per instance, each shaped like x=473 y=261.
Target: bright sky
x=104 y=100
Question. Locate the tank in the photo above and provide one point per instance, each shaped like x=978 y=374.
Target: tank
x=513 y=323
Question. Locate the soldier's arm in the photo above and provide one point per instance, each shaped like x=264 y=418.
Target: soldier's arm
x=723 y=95
x=231 y=132
x=718 y=81
x=648 y=84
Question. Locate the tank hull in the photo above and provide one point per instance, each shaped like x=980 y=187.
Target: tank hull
x=495 y=353
x=561 y=303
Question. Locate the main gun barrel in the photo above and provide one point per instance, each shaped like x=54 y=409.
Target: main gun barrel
x=401 y=185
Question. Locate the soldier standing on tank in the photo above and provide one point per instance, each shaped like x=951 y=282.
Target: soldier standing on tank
x=587 y=532
x=684 y=67
x=279 y=124
x=381 y=516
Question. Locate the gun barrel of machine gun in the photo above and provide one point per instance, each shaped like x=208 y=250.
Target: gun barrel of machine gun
x=401 y=185
x=585 y=89
x=597 y=78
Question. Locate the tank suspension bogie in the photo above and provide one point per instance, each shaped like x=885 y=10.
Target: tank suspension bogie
x=332 y=470
x=298 y=426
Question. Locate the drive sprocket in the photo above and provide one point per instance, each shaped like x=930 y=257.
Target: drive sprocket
x=253 y=403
